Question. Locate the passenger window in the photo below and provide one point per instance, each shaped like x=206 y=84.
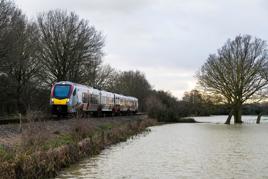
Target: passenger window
x=74 y=93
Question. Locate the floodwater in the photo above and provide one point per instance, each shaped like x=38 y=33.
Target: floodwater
x=201 y=150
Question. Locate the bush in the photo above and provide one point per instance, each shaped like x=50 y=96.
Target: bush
x=164 y=107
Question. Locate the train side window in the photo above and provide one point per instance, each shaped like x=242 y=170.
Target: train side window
x=74 y=93
x=85 y=97
x=103 y=99
x=94 y=99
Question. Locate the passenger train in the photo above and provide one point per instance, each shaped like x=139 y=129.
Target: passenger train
x=69 y=98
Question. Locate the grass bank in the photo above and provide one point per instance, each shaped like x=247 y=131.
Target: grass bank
x=43 y=151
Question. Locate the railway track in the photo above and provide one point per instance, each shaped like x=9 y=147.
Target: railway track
x=4 y=121
x=9 y=121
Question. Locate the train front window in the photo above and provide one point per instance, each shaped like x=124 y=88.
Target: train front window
x=62 y=91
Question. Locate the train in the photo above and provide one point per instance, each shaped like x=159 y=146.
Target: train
x=71 y=98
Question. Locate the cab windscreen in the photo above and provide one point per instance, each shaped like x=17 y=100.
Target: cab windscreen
x=62 y=91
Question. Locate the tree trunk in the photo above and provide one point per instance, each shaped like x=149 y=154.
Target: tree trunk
x=237 y=114
x=228 y=120
x=259 y=118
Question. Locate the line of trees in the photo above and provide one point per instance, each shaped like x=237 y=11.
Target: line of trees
x=201 y=103
x=60 y=46
x=57 y=46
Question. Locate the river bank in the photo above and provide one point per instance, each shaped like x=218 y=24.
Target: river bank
x=44 y=148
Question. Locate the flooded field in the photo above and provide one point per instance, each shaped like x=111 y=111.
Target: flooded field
x=201 y=150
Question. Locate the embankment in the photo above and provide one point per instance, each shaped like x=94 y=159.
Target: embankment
x=44 y=148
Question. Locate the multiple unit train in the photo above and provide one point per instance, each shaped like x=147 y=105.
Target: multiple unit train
x=69 y=98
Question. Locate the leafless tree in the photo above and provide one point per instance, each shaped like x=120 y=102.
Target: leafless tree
x=18 y=48
x=25 y=68
x=236 y=72
x=105 y=76
x=10 y=18
x=133 y=83
x=100 y=75
x=69 y=46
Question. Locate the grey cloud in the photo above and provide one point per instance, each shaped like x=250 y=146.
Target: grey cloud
x=105 y=6
x=166 y=34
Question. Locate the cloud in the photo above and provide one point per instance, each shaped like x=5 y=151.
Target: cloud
x=174 y=80
x=101 y=6
x=168 y=40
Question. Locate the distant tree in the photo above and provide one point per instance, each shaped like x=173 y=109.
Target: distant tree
x=132 y=83
x=70 y=48
x=202 y=103
x=194 y=96
x=236 y=72
x=198 y=105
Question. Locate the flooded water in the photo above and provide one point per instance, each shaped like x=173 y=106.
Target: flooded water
x=201 y=150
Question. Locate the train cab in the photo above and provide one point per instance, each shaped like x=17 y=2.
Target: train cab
x=63 y=94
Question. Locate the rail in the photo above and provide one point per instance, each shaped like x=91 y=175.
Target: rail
x=16 y=120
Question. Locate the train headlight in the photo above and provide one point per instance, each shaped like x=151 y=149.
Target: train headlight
x=52 y=100
x=67 y=100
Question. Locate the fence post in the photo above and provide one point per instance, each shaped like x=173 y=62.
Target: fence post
x=20 y=123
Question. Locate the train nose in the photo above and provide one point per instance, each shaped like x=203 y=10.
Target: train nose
x=56 y=101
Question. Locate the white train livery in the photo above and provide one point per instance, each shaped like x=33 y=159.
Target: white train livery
x=68 y=97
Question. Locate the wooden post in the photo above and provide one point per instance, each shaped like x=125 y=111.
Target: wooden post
x=20 y=123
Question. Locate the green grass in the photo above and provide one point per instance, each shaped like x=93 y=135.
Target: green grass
x=4 y=154
x=61 y=140
x=71 y=138
x=105 y=126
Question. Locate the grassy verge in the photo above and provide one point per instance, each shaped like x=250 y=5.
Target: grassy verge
x=42 y=154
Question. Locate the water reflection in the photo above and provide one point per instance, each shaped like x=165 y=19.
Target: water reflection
x=205 y=150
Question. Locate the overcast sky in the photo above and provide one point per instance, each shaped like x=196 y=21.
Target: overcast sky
x=168 y=40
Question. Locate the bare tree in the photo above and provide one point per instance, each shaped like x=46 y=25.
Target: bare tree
x=69 y=46
x=236 y=72
x=133 y=83
x=105 y=76
x=10 y=19
x=18 y=49
x=26 y=66
x=100 y=75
